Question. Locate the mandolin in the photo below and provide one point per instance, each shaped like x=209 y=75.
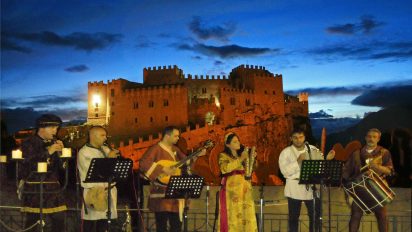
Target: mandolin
x=164 y=178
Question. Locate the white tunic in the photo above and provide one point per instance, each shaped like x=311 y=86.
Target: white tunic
x=86 y=154
x=290 y=169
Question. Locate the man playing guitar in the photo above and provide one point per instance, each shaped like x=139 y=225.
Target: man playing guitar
x=150 y=164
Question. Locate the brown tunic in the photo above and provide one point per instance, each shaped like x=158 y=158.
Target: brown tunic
x=148 y=165
x=358 y=159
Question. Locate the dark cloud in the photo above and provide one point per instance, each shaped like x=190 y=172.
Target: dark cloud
x=366 y=25
x=386 y=97
x=320 y=114
x=77 y=68
x=391 y=51
x=227 y=51
x=197 y=57
x=42 y=102
x=7 y=44
x=211 y=32
x=218 y=62
x=331 y=91
x=347 y=90
x=77 y=40
x=347 y=29
x=22 y=118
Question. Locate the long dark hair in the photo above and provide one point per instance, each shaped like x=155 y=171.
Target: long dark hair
x=227 y=149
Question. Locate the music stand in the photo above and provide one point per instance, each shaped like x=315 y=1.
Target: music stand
x=184 y=187
x=108 y=171
x=323 y=172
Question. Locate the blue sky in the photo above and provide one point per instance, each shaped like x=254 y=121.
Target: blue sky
x=338 y=51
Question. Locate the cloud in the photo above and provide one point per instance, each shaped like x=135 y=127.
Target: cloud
x=21 y=118
x=320 y=114
x=366 y=25
x=42 y=102
x=347 y=29
x=77 y=40
x=378 y=50
x=227 y=51
x=348 y=90
x=218 y=62
x=77 y=68
x=9 y=45
x=386 y=97
x=211 y=32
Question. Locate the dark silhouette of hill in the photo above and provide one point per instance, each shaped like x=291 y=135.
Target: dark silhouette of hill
x=385 y=120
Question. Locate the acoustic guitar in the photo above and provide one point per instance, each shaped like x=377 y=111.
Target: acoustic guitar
x=164 y=178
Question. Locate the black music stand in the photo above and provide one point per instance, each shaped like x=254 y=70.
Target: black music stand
x=323 y=172
x=184 y=187
x=109 y=171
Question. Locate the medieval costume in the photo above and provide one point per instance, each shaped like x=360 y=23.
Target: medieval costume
x=93 y=213
x=163 y=208
x=236 y=204
x=295 y=192
x=352 y=170
x=35 y=150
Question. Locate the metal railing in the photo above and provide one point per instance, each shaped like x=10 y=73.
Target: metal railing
x=12 y=217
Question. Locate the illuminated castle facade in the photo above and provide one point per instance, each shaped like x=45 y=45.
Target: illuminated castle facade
x=168 y=97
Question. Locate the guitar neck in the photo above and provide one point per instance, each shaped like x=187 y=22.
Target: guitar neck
x=183 y=161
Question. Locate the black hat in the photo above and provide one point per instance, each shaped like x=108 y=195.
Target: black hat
x=47 y=120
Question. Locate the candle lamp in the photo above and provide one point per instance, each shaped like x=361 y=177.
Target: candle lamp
x=42 y=167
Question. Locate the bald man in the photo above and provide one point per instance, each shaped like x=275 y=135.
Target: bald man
x=95 y=219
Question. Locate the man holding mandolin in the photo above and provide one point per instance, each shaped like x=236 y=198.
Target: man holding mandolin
x=158 y=163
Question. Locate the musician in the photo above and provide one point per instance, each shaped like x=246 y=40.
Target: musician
x=379 y=160
x=43 y=147
x=290 y=161
x=165 y=210
x=95 y=215
x=237 y=208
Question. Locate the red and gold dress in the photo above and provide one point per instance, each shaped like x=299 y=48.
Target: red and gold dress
x=237 y=207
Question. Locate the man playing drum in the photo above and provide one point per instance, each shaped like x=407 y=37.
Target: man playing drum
x=379 y=160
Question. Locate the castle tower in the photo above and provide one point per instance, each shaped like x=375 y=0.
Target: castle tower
x=98 y=109
x=163 y=75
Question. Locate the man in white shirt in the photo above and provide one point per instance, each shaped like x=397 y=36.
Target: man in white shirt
x=290 y=161
x=95 y=194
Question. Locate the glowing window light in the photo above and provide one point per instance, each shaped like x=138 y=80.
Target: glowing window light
x=96 y=99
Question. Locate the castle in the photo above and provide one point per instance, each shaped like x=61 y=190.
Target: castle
x=249 y=101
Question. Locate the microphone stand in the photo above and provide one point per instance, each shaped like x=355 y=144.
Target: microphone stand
x=313 y=192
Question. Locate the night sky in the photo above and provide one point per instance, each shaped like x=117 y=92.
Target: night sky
x=346 y=54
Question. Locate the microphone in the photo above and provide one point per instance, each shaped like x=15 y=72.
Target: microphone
x=307 y=145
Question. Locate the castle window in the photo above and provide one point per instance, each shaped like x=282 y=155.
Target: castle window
x=96 y=105
x=166 y=118
x=204 y=90
x=151 y=119
x=96 y=115
x=112 y=113
x=274 y=92
x=232 y=101
x=135 y=120
x=165 y=102
x=151 y=104
x=112 y=92
x=266 y=92
x=247 y=102
x=113 y=103
x=135 y=105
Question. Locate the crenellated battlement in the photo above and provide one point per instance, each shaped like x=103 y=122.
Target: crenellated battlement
x=206 y=77
x=303 y=97
x=159 y=89
x=162 y=68
x=96 y=84
x=233 y=90
x=250 y=67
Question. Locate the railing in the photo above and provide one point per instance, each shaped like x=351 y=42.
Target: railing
x=12 y=217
